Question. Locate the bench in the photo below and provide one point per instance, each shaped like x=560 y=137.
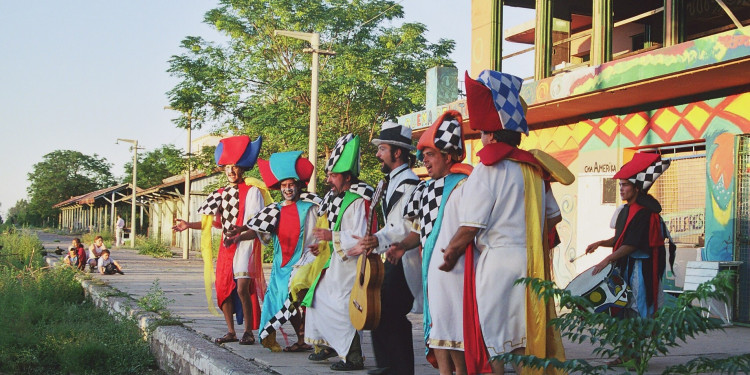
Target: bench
x=698 y=272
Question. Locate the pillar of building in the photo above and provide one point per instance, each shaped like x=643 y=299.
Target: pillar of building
x=486 y=35
x=602 y=25
x=543 y=40
x=672 y=23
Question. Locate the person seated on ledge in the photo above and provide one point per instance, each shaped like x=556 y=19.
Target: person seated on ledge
x=80 y=254
x=95 y=251
x=107 y=265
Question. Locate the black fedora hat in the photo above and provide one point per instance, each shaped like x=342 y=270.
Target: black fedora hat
x=394 y=134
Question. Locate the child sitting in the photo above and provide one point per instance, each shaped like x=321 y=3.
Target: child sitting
x=72 y=258
x=107 y=265
x=80 y=254
x=95 y=251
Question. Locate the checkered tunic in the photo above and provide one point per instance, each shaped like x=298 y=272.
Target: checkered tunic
x=332 y=202
x=424 y=204
x=226 y=201
x=282 y=316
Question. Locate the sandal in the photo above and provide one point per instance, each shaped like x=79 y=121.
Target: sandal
x=247 y=338
x=322 y=355
x=297 y=347
x=229 y=337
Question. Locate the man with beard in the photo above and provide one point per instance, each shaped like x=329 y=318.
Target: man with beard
x=402 y=282
x=327 y=323
x=288 y=226
x=434 y=206
x=239 y=273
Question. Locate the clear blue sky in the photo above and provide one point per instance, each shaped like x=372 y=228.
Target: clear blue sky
x=79 y=74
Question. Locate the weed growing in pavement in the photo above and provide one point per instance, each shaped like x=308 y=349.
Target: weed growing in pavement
x=156 y=300
x=153 y=247
x=634 y=338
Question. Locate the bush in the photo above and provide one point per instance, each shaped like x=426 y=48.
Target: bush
x=637 y=338
x=153 y=247
x=20 y=250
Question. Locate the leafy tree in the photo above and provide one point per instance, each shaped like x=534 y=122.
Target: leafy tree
x=155 y=165
x=258 y=84
x=60 y=175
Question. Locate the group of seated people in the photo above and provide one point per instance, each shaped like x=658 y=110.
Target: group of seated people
x=98 y=257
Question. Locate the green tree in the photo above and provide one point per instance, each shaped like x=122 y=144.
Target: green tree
x=258 y=84
x=60 y=175
x=155 y=165
x=19 y=214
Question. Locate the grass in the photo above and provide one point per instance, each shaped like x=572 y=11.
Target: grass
x=49 y=327
x=153 y=247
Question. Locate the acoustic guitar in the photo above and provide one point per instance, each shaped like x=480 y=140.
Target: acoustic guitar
x=364 y=302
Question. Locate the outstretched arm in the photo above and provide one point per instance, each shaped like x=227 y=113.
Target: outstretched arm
x=181 y=225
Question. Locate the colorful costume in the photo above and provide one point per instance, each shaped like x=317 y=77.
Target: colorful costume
x=434 y=205
x=639 y=225
x=228 y=206
x=327 y=322
x=401 y=291
x=289 y=228
x=509 y=198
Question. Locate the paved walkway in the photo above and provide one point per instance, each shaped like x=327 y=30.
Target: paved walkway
x=182 y=281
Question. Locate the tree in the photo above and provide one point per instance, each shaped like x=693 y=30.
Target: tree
x=258 y=84
x=155 y=165
x=63 y=174
x=20 y=214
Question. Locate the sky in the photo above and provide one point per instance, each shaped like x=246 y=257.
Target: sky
x=79 y=74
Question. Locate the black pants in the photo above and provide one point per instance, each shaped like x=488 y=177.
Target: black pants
x=392 y=339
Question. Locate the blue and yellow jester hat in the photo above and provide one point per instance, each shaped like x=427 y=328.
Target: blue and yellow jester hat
x=237 y=150
x=345 y=156
x=285 y=165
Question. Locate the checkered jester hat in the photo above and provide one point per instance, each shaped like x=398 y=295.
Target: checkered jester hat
x=345 y=156
x=285 y=165
x=643 y=169
x=237 y=150
x=494 y=102
x=445 y=134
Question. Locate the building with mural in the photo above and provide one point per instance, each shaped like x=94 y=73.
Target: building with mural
x=614 y=78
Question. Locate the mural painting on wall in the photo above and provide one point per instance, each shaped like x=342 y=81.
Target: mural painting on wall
x=715 y=120
x=692 y=54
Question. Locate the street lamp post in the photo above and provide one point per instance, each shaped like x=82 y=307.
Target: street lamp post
x=312 y=148
x=135 y=170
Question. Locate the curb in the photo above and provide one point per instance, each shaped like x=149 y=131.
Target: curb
x=177 y=349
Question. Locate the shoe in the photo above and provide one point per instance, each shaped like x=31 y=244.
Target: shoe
x=347 y=366
x=378 y=371
x=229 y=337
x=296 y=347
x=247 y=338
x=322 y=355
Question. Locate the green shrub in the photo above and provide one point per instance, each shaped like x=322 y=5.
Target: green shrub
x=20 y=250
x=635 y=338
x=153 y=247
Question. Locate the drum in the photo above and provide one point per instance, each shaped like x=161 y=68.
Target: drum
x=606 y=290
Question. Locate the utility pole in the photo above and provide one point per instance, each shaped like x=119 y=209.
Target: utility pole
x=312 y=148
x=135 y=171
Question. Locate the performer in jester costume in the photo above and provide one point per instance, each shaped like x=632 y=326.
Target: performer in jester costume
x=327 y=323
x=638 y=244
x=287 y=225
x=239 y=273
x=507 y=215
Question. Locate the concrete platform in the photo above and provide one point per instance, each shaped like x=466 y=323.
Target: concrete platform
x=189 y=348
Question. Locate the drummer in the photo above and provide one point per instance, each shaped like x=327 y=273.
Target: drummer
x=495 y=210
x=638 y=242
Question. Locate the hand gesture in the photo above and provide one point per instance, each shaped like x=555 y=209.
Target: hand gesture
x=180 y=225
x=450 y=258
x=591 y=248
x=322 y=234
x=233 y=231
x=314 y=249
x=395 y=252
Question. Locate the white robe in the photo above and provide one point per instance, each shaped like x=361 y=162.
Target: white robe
x=327 y=321
x=496 y=205
x=445 y=290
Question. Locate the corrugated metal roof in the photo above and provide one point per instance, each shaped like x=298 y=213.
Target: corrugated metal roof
x=90 y=198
